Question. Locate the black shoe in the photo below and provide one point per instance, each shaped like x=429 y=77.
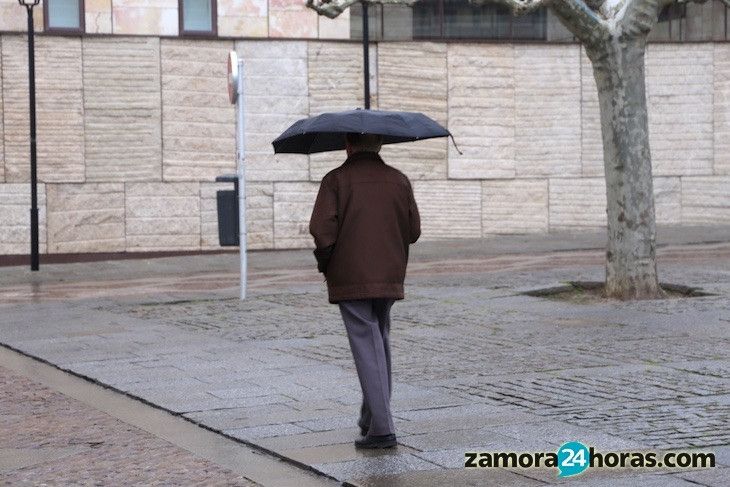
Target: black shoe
x=363 y=427
x=364 y=420
x=381 y=441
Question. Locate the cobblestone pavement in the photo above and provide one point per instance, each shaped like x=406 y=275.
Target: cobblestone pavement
x=477 y=365
x=50 y=439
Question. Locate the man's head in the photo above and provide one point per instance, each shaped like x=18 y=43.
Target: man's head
x=362 y=143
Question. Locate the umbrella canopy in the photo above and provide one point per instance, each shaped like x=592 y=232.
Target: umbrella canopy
x=326 y=132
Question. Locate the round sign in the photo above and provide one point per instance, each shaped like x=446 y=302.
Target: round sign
x=232 y=76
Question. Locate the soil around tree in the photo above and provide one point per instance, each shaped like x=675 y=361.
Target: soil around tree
x=592 y=292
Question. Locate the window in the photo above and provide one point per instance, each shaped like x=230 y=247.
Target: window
x=459 y=19
x=448 y=19
x=63 y=16
x=692 y=22
x=197 y=17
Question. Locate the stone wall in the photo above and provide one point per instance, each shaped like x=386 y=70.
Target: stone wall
x=236 y=18
x=134 y=130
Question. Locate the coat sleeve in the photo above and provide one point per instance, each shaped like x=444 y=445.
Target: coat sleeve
x=323 y=225
x=414 y=216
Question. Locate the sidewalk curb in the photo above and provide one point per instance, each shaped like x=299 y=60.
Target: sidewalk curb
x=249 y=444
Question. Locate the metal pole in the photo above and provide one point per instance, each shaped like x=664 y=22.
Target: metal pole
x=241 y=170
x=366 y=53
x=34 y=257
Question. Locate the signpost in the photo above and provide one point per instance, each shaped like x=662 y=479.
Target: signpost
x=235 y=95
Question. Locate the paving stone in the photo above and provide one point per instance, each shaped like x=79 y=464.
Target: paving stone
x=465 y=422
x=454 y=457
x=319 y=438
x=239 y=392
x=608 y=478
x=329 y=424
x=559 y=432
x=462 y=477
x=266 y=431
x=61 y=441
x=468 y=440
x=339 y=453
x=448 y=412
x=716 y=477
x=382 y=465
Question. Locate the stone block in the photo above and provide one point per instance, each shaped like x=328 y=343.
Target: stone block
x=706 y=200
x=145 y=17
x=722 y=108
x=162 y=216
x=591 y=137
x=577 y=203
x=547 y=110
x=582 y=202
x=335 y=83
x=481 y=110
x=85 y=217
x=419 y=85
x=198 y=124
x=15 y=221
x=335 y=76
x=338 y=28
x=668 y=200
x=293 y=204
x=98 y=16
x=122 y=108
x=14 y=19
x=259 y=214
x=449 y=209
x=679 y=82
x=59 y=108
x=292 y=19
x=2 y=131
x=514 y=206
x=243 y=18
x=276 y=84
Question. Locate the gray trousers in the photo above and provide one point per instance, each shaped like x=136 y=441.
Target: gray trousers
x=368 y=324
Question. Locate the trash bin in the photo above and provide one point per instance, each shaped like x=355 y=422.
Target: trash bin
x=227 y=201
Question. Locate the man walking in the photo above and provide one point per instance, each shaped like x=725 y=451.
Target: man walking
x=364 y=219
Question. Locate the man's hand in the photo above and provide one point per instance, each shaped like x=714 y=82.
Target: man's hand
x=323 y=258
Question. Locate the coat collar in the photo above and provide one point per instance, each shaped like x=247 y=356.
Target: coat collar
x=358 y=156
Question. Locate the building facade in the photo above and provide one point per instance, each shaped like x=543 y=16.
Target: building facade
x=135 y=123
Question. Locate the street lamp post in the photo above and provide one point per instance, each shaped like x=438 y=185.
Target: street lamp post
x=34 y=257
x=366 y=53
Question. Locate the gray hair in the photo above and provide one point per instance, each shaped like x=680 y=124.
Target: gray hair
x=365 y=142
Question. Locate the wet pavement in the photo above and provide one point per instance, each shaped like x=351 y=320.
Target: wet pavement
x=477 y=366
x=59 y=429
x=51 y=439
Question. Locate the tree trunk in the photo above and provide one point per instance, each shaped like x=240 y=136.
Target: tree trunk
x=618 y=67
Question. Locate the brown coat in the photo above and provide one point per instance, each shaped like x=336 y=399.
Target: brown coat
x=363 y=221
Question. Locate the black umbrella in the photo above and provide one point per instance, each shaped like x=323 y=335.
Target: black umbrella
x=326 y=132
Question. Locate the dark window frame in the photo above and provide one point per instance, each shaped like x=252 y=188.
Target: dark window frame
x=65 y=30
x=198 y=33
x=443 y=37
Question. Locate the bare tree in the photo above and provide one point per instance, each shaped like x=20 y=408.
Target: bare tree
x=614 y=34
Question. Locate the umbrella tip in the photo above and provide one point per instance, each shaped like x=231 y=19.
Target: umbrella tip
x=455 y=146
